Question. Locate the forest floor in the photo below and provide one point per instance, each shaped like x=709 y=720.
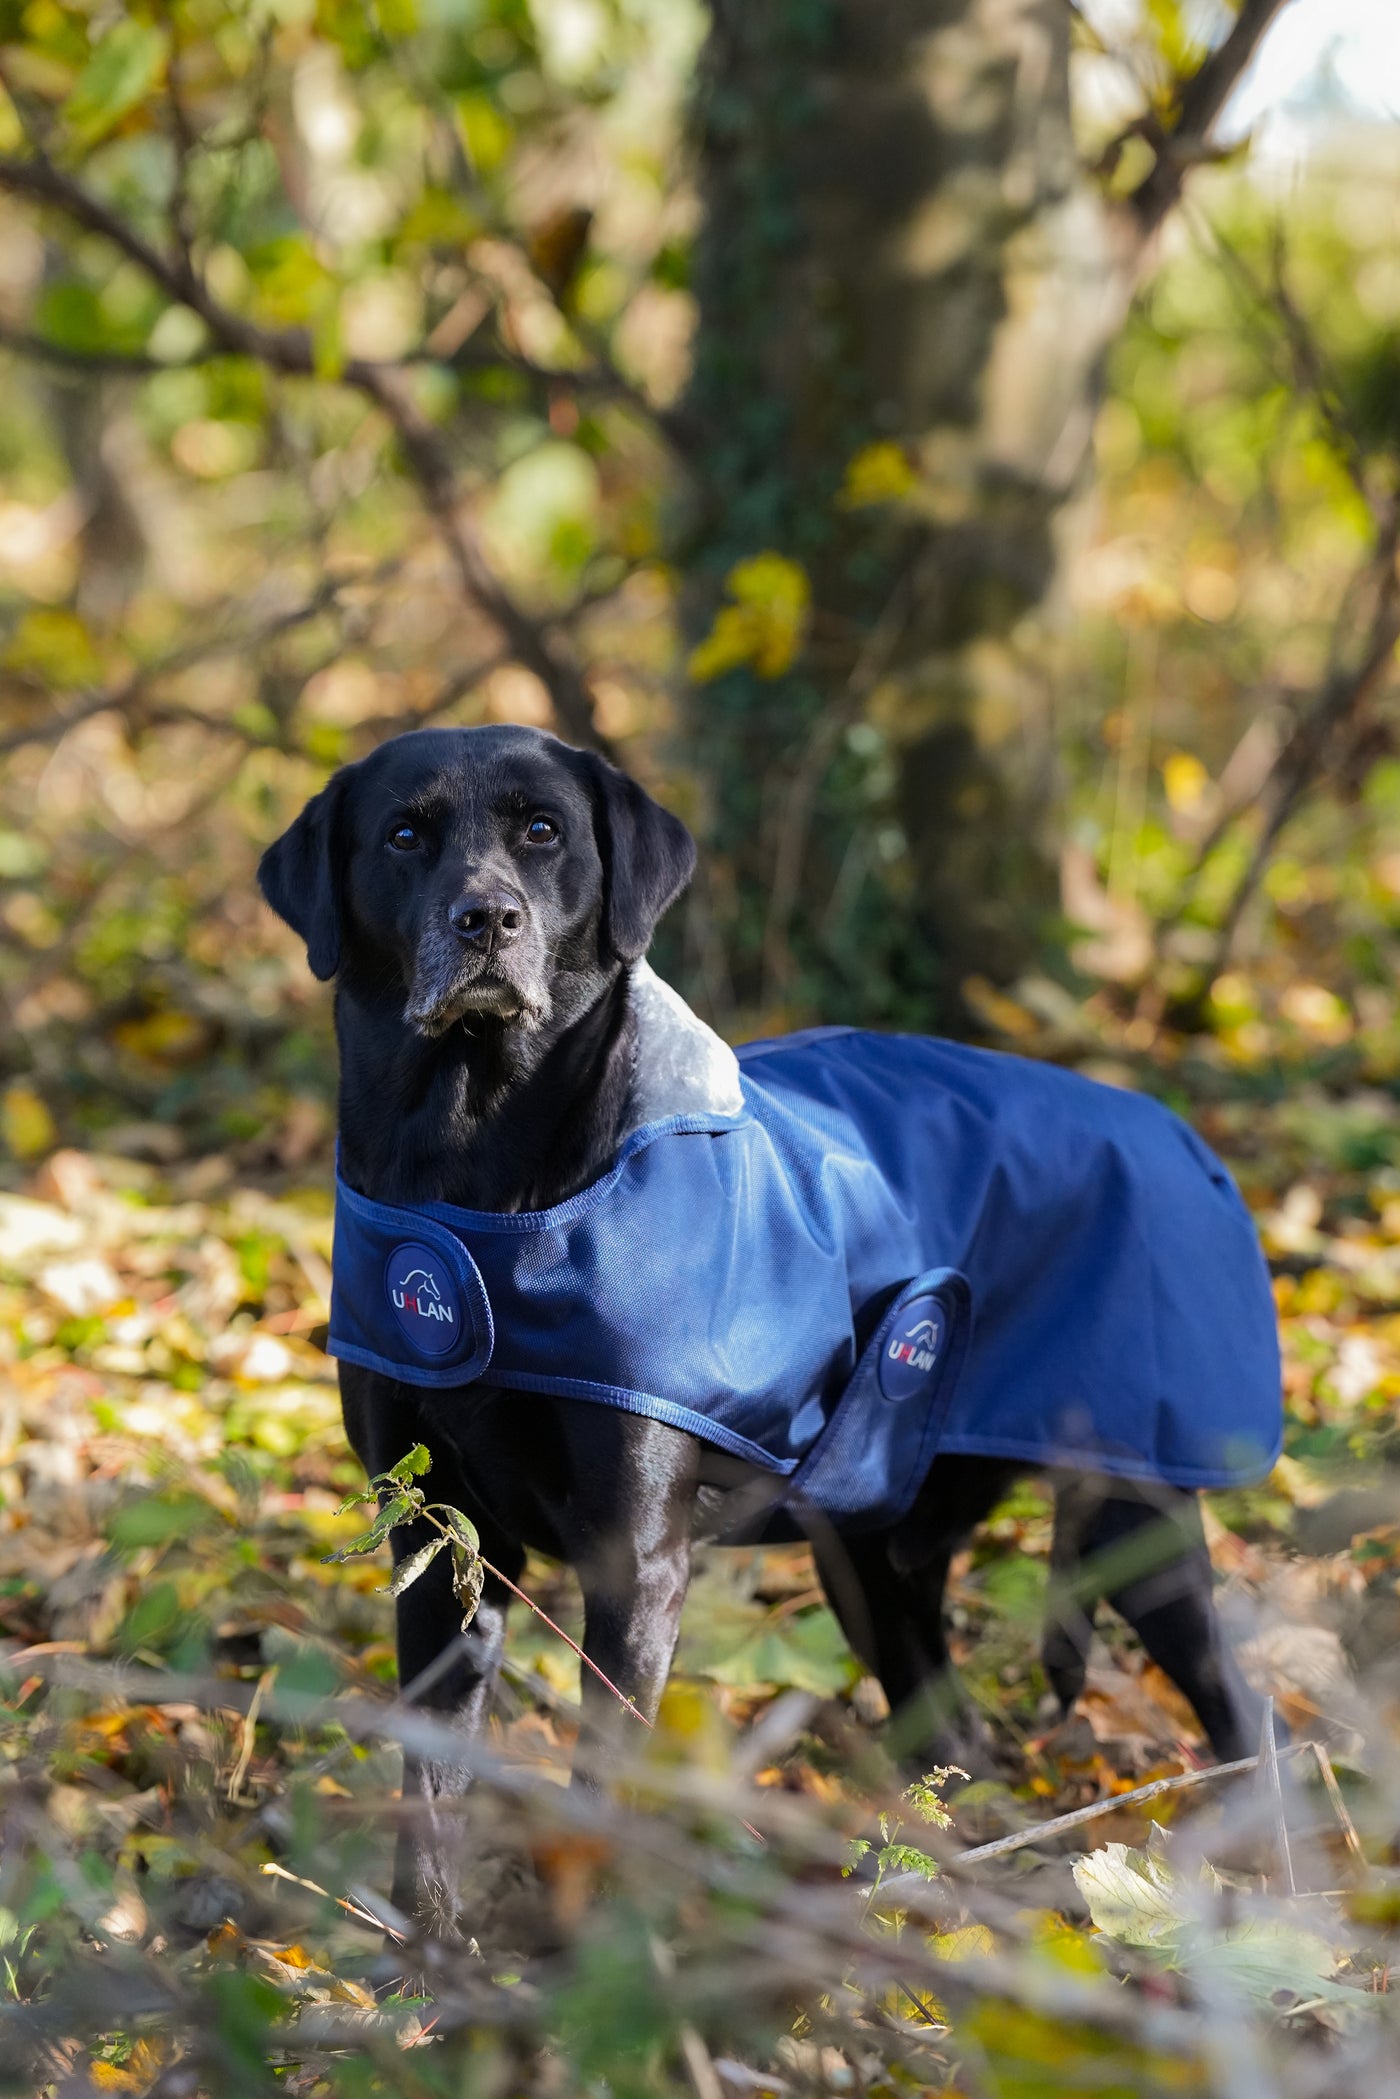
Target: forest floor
x=198 y=1755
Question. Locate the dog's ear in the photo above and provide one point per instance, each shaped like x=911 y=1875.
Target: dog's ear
x=299 y=876
x=648 y=857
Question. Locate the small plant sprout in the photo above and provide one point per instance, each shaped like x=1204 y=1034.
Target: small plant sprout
x=894 y=1856
x=402 y=1501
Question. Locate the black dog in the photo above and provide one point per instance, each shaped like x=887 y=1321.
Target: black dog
x=480 y=897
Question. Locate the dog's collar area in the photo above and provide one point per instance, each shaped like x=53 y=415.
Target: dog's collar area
x=682 y=1066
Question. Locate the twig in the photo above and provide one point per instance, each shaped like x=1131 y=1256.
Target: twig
x=1295 y=768
x=250 y=1729
x=129 y=696
x=699 y=2064
x=1351 y=680
x=1200 y=101
x=355 y=1909
x=904 y=1884
x=184 y=142
x=291 y=351
x=25 y=343
x=530 y=1604
x=1271 y=1788
x=1339 y=1806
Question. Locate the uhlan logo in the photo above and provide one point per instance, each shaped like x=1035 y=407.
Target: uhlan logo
x=418 y=1292
x=918 y=1348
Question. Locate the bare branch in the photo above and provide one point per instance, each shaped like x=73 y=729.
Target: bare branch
x=1307 y=365
x=184 y=142
x=290 y=350
x=41 y=350
x=1295 y=770
x=131 y=694
x=1200 y=101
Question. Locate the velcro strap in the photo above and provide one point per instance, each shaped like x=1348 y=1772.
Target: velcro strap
x=407 y=1298
x=869 y=1461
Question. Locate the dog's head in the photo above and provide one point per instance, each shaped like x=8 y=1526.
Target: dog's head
x=491 y=871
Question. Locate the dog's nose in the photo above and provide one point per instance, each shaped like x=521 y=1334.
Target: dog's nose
x=487 y=918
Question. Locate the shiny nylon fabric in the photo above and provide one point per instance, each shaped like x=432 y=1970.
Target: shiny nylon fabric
x=1098 y=1287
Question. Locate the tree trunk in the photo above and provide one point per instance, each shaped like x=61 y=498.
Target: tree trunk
x=900 y=249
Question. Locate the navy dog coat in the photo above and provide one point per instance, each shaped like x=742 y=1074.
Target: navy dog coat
x=874 y=1249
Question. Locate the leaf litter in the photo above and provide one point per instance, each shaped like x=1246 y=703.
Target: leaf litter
x=198 y=1757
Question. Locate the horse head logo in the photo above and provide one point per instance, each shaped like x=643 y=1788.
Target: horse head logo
x=425 y=1280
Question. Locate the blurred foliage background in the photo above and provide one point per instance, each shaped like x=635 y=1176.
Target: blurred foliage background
x=900 y=433
x=935 y=451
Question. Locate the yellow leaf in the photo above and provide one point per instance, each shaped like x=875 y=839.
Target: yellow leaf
x=879 y=473
x=107 y=2077
x=342 y=1991
x=996 y=1009
x=293 y=1956
x=1185 y=780
x=163 y=1037
x=690 y=1727
x=486 y=131
x=25 y=1123
x=55 y=645
x=970 y=1943
x=766 y=623
x=139 y=2072
x=1065 y=1946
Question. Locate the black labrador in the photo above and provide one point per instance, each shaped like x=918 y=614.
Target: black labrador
x=479 y=896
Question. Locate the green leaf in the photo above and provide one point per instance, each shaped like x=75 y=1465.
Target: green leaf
x=396 y=1511
x=413 y=1466
x=461 y=1526
x=408 y=1571
x=1131 y=1895
x=806 y=1651
x=158 y=1518
x=121 y=71
x=906 y=1859
x=153 y=1616
x=1265 y=1955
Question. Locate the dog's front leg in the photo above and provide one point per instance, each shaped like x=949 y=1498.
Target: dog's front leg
x=637 y=1486
x=443 y=1671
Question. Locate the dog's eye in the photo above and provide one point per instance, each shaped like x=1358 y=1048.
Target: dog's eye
x=404 y=839
x=541 y=830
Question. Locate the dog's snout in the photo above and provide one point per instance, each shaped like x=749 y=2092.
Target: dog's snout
x=487 y=918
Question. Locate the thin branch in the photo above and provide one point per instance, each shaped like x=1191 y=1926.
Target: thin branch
x=1307 y=366
x=130 y=696
x=185 y=144
x=291 y=351
x=1349 y=684
x=1339 y=1806
x=41 y=350
x=588 y=1663
x=903 y=1885
x=1294 y=770
x=471 y=356
x=1200 y=101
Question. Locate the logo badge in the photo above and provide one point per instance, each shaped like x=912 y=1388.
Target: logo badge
x=423 y=1299
x=913 y=1348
